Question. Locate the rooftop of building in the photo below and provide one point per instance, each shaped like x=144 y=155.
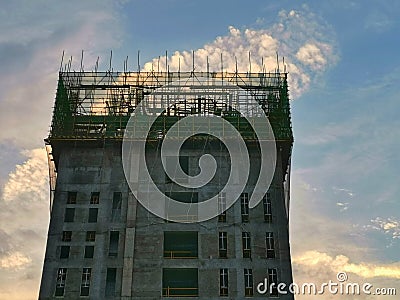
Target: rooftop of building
x=97 y=105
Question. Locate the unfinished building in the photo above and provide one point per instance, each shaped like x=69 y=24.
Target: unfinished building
x=104 y=244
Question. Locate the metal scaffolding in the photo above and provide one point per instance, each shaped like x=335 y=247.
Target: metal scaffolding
x=98 y=105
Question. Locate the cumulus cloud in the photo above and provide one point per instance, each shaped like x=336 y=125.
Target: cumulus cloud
x=305 y=41
x=29 y=179
x=341 y=263
x=312 y=56
x=14 y=261
x=24 y=209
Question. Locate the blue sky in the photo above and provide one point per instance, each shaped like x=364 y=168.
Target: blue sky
x=344 y=68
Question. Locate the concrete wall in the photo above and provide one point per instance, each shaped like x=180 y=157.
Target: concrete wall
x=140 y=258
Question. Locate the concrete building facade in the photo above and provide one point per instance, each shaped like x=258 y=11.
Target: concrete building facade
x=103 y=244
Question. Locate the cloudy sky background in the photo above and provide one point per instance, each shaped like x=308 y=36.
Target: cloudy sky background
x=344 y=72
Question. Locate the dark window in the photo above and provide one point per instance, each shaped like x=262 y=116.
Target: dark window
x=267 y=208
x=64 y=251
x=95 y=198
x=114 y=240
x=248 y=282
x=116 y=207
x=273 y=280
x=270 y=245
x=89 y=251
x=85 y=283
x=244 y=205
x=180 y=244
x=186 y=197
x=180 y=282
x=90 y=236
x=223 y=282
x=110 y=281
x=69 y=215
x=222 y=244
x=93 y=215
x=66 y=236
x=246 y=244
x=71 y=197
x=60 y=282
x=222 y=207
x=117 y=200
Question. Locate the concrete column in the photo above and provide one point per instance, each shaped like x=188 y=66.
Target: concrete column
x=127 y=272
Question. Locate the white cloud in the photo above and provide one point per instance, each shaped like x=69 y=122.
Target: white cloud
x=305 y=41
x=390 y=226
x=343 y=206
x=342 y=263
x=14 y=261
x=24 y=215
x=312 y=55
x=29 y=179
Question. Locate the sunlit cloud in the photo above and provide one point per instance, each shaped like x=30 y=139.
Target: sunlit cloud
x=29 y=178
x=306 y=43
x=24 y=213
x=14 y=261
x=342 y=263
x=311 y=55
